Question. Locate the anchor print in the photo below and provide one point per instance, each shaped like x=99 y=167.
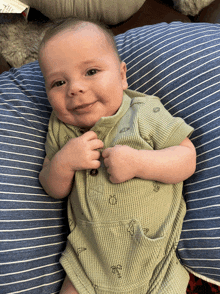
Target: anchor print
x=116 y=270
x=131 y=228
x=156 y=186
x=80 y=250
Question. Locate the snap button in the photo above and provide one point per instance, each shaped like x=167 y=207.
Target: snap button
x=83 y=131
x=93 y=172
x=156 y=109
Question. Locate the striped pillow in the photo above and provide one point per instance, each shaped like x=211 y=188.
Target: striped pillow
x=178 y=62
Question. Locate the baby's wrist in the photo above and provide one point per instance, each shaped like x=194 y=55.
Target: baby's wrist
x=63 y=163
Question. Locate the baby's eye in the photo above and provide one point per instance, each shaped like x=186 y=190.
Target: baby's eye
x=91 y=72
x=58 y=83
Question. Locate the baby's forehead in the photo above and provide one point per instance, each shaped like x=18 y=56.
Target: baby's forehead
x=81 y=32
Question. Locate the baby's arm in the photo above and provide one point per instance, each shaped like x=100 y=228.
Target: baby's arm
x=171 y=165
x=79 y=153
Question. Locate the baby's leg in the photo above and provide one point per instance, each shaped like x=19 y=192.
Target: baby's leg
x=68 y=287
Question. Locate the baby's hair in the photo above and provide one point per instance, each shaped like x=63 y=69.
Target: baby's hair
x=69 y=23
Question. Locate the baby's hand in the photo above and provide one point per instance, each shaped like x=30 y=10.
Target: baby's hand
x=121 y=162
x=81 y=153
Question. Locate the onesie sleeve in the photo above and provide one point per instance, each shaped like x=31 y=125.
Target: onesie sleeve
x=160 y=127
x=52 y=145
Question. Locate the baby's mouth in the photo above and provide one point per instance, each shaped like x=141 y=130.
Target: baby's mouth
x=84 y=107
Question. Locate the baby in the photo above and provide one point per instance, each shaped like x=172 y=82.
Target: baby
x=121 y=158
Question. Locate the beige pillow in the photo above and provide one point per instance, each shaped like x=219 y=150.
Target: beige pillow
x=191 y=7
x=109 y=11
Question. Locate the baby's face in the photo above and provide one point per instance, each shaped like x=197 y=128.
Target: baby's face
x=83 y=76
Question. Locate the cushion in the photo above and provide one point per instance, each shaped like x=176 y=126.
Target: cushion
x=191 y=7
x=178 y=62
x=111 y=12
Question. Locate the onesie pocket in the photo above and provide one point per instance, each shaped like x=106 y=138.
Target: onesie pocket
x=116 y=256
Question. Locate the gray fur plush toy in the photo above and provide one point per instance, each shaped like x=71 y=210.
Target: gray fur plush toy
x=19 y=40
x=191 y=7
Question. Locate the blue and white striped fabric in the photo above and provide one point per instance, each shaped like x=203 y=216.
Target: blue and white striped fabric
x=32 y=225
x=178 y=62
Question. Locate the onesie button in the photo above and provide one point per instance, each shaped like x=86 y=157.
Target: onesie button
x=156 y=109
x=93 y=172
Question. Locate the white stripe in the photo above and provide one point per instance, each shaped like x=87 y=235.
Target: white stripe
x=17 y=185
x=19 y=168
x=45 y=284
x=31 y=114
x=29 y=201
x=20 y=154
x=208 y=159
x=22 y=146
x=22 y=138
x=29 y=270
x=204 y=207
x=207 y=142
x=34 y=238
x=207 y=168
x=207 y=267
x=216 y=148
x=205 y=180
x=209 y=122
x=202 y=259
x=32 y=209
x=31 y=247
x=25 y=194
x=26 y=107
x=196 y=102
x=202 y=229
x=200 y=219
x=202 y=190
x=31 y=229
x=28 y=280
x=200 y=238
x=203 y=198
x=32 y=259
x=204 y=133
x=29 y=220
x=22 y=126
x=172 y=64
x=189 y=89
x=19 y=176
x=167 y=44
x=185 y=73
x=200 y=109
x=202 y=249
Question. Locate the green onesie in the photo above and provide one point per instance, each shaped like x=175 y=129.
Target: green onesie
x=124 y=236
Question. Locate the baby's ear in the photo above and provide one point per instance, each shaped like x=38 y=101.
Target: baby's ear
x=123 y=70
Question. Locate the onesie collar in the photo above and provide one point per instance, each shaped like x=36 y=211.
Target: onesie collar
x=110 y=121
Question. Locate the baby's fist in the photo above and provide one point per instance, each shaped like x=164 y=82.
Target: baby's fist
x=121 y=163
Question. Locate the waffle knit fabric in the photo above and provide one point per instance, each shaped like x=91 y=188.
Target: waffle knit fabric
x=123 y=237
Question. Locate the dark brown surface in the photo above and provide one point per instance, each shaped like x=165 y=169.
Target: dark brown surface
x=210 y=13
x=3 y=64
x=152 y=12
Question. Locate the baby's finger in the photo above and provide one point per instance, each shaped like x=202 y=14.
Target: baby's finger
x=96 y=144
x=95 y=164
x=95 y=155
x=90 y=135
x=106 y=162
x=106 y=152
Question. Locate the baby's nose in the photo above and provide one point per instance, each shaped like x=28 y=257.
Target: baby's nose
x=76 y=88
